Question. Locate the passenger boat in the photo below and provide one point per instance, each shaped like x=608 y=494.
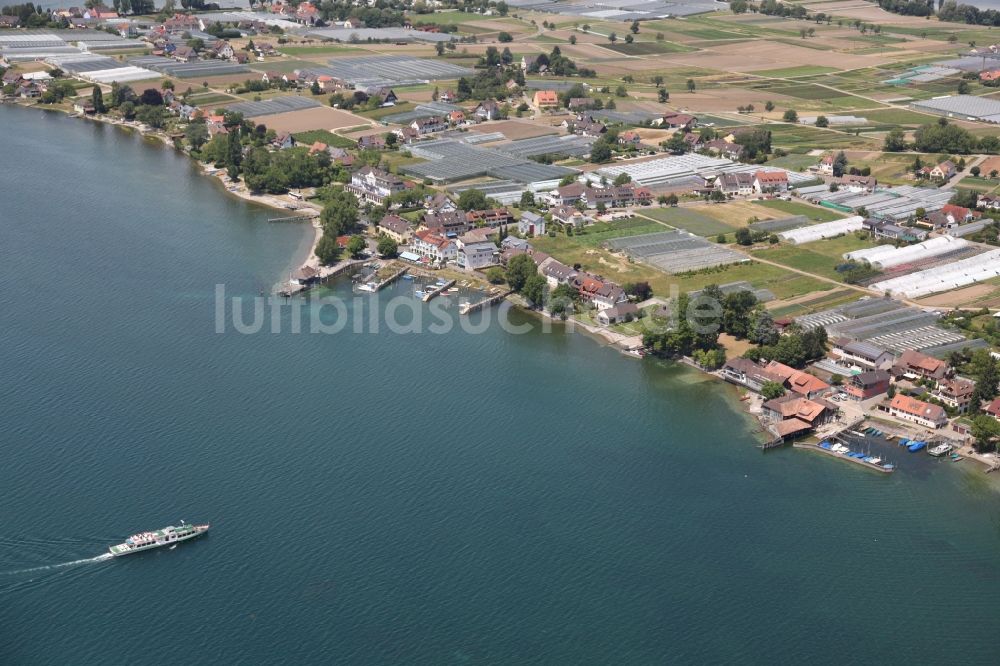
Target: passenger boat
x=940 y=450
x=162 y=537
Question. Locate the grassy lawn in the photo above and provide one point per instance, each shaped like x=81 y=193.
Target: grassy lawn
x=802 y=70
x=687 y=219
x=978 y=184
x=738 y=213
x=820 y=257
x=574 y=250
x=798 y=208
x=199 y=99
x=793 y=162
x=329 y=138
x=595 y=234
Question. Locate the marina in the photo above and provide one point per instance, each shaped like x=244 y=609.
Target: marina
x=842 y=452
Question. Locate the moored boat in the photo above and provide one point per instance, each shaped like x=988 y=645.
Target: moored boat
x=916 y=446
x=169 y=535
x=940 y=450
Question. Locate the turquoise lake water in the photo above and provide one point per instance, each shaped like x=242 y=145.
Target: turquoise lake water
x=383 y=499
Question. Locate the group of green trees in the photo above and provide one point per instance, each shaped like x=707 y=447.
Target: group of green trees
x=339 y=217
x=942 y=137
x=692 y=326
x=524 y=278
x=488 y=83
x=559 y=65
x=949 y=11
x=795 y=348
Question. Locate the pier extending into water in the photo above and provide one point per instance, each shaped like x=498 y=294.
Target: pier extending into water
x=392 y=278
x=486 y=302
x=841 y=456
x=437 y=290
x=293 y=218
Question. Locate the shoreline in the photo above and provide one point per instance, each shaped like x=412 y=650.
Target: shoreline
x=599 y=334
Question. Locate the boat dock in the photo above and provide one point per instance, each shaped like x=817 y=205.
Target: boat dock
x=438 y=288
x=392 y=278
x=486 y=302
x=885 y=469
x=293 y=218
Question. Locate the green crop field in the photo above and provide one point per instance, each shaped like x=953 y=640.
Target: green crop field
x=647 y=48
x=899 y=117
x=687 y=219
x=798 y=208
x=794 y=162
x=809 y=92
x=802 y=70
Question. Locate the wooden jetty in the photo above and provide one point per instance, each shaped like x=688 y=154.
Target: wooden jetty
x=486 y=302
x=428 y=295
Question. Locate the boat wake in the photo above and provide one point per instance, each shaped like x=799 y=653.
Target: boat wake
x=62 y=565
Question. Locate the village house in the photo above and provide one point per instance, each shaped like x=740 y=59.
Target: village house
x=9 y=21
x=826 y=165
x=456 y=117
x=446 y=222
x=374 y=185
x=489 y=217
x=857 y=183
x=629 y=138
x=678 y=120
x=602 y=294
x=100 y=13
x=623 y=312
x=222 y=50
x=694 y=141
x=181 y=23
x=993 y=409
x=770 y=181
x=797 y=381
x=305 y=276
x=585 y=126
x=580 y=103
x=283 y=141
x=735 y=183
x=882 y=229
x=306 y=14
x=922 y=413
x=433 y=246
x=184 y=54
x=84 y=106
x=955 y=392
x=448 y=97
x=723 y=148
x=913 y=364
x=867 y=384
x=475 y=254
x=385 y=96
x=555 y=272
x=567 y=195
x=527 y=61
x=860 y=354
x=406 y=134
x=546 y=99
x=487 y=110
x=747 y=373
x=396 y=228
x=943 y=171
x=11 y=78
x=531 y=224
x=372 y=142
x=958 y=214
x=569 y=215
x=617 y=196
x=988 y=201
x=439 y=202
x=792 y=415
x=429 y=125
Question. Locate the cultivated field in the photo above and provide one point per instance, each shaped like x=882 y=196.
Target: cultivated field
x=311 y=119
